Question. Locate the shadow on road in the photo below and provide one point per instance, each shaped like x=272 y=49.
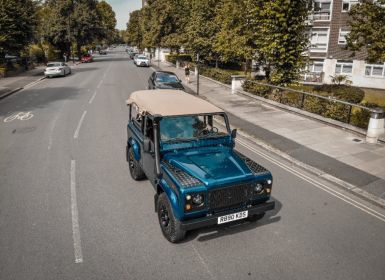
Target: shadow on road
x=85 y=69
x=35 y=98
x=107 y=59
x=216 y=231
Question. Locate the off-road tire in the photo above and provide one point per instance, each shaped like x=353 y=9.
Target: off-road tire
x=170 y=226
x=255 y=218
x=136 y=171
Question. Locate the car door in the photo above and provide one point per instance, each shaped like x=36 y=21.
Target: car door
x=148 y=157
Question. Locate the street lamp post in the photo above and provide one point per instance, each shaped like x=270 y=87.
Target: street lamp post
x=198 y=74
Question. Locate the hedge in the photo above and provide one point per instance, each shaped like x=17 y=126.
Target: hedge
x=323 y=107
x=217 y=74
x=181 y=57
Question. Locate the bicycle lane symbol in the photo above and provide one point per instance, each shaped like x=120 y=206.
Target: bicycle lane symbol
x=22 y=116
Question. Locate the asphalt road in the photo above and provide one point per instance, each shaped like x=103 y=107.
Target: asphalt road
x=69 y=209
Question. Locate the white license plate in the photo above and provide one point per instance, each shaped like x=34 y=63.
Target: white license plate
x=232 y=217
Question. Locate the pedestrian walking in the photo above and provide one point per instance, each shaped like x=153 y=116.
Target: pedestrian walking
x=187 y=73
x=65 y=57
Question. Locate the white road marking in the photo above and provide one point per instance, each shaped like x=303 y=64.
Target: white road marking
x=51 y=131
x=202 y=261
x=317 y=184
x=22 y=116
x=100 y=83
x=75 y=216
x=93 y=97
x=76 y=135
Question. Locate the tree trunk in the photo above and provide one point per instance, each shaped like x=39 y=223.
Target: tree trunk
x=79 y=49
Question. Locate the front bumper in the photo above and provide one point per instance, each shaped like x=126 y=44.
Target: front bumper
x=213 y=220
x=52 y=73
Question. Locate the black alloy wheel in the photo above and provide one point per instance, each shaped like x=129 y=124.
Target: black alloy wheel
x=170 y=226
x=135 y=170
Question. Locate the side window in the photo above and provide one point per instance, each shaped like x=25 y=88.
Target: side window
x=149 y=129
x=136 y=117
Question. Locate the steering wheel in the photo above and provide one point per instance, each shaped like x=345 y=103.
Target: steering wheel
x=206 y=131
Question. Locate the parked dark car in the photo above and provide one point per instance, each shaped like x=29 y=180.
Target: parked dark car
x=132 y=54
x=102 y=52
x=184 y=146
x=164 y=80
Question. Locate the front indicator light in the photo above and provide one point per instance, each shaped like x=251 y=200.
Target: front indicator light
x=268 y=190
x=188 y=206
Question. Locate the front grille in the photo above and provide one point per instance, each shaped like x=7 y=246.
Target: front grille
x=230 y=196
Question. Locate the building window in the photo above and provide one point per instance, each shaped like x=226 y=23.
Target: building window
x=348 y=4
x=313 y=71
x=319 y=39
x=344 y=67
x=315 y=66
x=342 y=36
x=322 y=10
x=375 y=70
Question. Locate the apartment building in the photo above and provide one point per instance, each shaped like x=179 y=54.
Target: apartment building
x=327 y=52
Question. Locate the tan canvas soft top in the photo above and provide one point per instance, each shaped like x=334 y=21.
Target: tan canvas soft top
x=171 y=103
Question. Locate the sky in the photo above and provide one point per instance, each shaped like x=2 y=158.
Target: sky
x=122 y=8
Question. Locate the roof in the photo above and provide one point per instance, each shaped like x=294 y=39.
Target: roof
x=171 y=103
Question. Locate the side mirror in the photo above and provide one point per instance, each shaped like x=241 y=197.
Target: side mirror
x=234 y=133
x=146 y=145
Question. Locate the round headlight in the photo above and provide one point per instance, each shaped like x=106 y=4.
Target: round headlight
x=258 y=188
x=268 y=182
x=197 y=199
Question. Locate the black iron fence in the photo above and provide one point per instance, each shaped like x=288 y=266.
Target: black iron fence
x=326 y=106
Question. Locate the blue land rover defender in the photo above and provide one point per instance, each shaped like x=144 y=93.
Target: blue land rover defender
x=183 y=145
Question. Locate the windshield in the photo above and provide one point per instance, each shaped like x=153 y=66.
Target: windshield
x=53 y=64
x=182 y=128
x=142 y=57
x=166 y=78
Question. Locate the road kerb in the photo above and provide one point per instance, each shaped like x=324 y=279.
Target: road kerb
x=355 y=190
x=20 y=88
x=10 y=92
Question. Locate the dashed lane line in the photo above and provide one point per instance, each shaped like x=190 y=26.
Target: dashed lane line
x=75 y=216
x=76 y=135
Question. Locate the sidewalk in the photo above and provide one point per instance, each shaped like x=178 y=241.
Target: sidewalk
x=341 y=154
x=10 y=85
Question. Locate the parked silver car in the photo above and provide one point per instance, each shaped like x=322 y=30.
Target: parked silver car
x=57 y=69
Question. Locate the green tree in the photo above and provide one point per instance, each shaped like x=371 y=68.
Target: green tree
x=17 y=24
x=54 y=24
x=107 y=21
x=238 y=21
x=202 y=27
x=367 y=23
x=133 y=32
x=86 y=23
x=282 y=39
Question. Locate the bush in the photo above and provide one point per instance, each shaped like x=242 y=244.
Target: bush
x=181 y=57
x=36 y=53
x=342 y=92
x=360 y=117
x=256 y=89
x=221 y=75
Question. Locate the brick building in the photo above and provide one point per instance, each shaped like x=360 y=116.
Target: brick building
x=327 y=52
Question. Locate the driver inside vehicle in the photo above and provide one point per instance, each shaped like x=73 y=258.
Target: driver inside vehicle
x=186 y=127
